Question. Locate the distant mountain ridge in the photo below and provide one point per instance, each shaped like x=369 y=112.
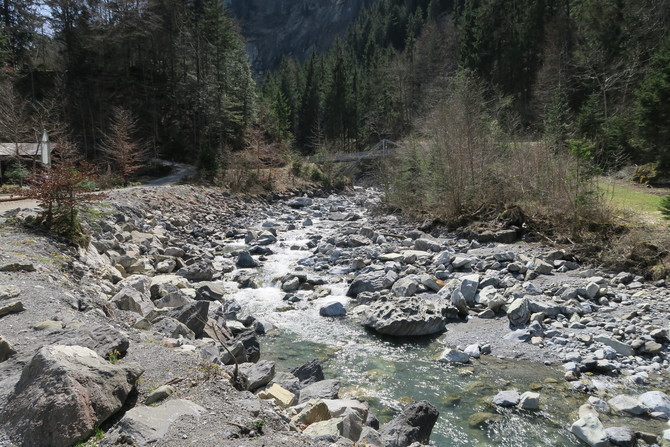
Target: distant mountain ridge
x=277 y=28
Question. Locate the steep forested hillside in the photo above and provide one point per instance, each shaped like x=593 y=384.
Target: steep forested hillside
x=294 y=28
x=590 y=70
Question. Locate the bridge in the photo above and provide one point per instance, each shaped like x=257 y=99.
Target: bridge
x=383 y=148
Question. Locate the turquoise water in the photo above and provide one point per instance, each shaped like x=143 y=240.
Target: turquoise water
x=389 y=373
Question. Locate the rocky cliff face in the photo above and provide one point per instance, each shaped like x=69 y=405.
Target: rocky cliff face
x=295 y=28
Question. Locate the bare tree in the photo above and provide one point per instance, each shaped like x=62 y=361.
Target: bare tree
x=125 y=154
x=15 y=123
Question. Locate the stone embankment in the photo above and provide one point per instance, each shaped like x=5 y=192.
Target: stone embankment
x=145 y=299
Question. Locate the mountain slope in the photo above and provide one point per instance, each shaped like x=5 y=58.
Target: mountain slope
x=294 y=28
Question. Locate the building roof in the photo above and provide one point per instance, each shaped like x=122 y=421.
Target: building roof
x=25 y=149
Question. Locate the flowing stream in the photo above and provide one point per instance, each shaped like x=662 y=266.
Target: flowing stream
x=388 y=373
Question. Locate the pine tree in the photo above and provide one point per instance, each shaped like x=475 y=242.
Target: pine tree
x=652 y=110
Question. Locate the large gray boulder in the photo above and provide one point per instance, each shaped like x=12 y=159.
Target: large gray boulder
x=309 y=373
x=407 y=317
x=148 y=425
x=518 y=312
x=200 y=271
x=103 y=339
x=406 y=286
x=245 y=260
x=64 y=393
x=130 y=299
x=258 y=374
x=370 y=282
x=656 y=401
x=323 y=389
x=468 y=288
x=193 y=316
x=414 y=424
x=333 y=309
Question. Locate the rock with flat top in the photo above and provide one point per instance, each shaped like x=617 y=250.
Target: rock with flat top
x=406 y=317
x=627 y=404
x=324 y=389
x=148 y=425
x=279 y=395
x=508 y=398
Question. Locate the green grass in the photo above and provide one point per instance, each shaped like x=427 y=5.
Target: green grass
x=635 y=201
x=631 y=197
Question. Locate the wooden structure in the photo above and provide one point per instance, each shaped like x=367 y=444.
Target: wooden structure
x=40 y=152
x=27 y=153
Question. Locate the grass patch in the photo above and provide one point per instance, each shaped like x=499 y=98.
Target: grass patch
x=636 y=201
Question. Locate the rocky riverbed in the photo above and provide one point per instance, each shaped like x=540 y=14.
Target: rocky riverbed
x=502 y=339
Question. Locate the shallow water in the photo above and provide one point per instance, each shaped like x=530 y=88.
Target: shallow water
x=388 y=373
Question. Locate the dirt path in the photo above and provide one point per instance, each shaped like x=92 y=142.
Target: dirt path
x=14 y=204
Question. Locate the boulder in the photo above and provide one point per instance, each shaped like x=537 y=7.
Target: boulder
x=627 y=404
x=300 y=202
x=619 y=346
x=332 y=309
x=454 y=356
x=369 y=282
x=414 y=424
x=148 y=425
x=332 y=427
x=159 y=394
x=251 y=345
x=530 y=401
x=128 y=298
x=6 y=349
x=656 y=401
x=459 y=302
x=314 y=411
x=64 y=393
x=176 y=298
x=210 y=292
x=9 y=291
x=141 y=283
x=509 y=398
x=245 y=261
x=103 y=339
x=200 y=271
x=159 y=282
x=193 y=316
x=172 y=328
x=589 y=429
x=309 y=373
x=279 y=395
x=468 y=288
x=291 y=285
x=406 y=286
x=11 y=308
x=518 y=312
x=258 y=374
x=407 y=317
x=621 y=436
x=339 y=407
x=323 y=389
x=541 y=267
